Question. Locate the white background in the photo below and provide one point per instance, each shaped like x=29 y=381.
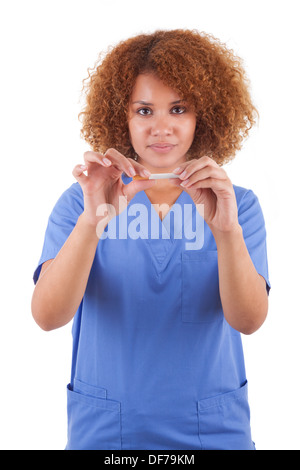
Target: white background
x=46 y=48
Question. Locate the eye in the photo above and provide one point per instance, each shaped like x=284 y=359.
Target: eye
x=144 y=111
x=178 y=110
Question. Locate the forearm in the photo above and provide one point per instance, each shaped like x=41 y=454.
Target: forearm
x=242 y=290
x=61 y=287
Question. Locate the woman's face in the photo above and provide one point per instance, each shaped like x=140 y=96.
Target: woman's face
x=161 y=125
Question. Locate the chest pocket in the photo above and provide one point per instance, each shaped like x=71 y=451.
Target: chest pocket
x=200 y=296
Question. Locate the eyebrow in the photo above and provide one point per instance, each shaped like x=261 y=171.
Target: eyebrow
x=151 y=104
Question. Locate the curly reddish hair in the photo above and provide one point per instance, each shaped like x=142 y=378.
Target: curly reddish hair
x=201 y=69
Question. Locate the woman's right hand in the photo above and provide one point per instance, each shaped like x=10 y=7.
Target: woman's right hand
x=103 y=186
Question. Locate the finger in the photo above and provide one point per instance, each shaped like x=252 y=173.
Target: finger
x=78 y=173
x=141 y=171
x=212 y=183
x=182 y=167
x=120 y=162
x=131 y=189
x=187 y=168
x=204 y=173
x=95 y=157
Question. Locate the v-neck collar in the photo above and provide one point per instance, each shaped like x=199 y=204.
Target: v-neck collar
x=163 y=235
x=165 y=223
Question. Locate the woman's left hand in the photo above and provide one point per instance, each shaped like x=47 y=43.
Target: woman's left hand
x=208 y=184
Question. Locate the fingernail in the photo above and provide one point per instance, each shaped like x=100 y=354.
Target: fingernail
x=183 y=175
x=146 y=173
x=83 y=167
x=131 y=171
x=106 y=161
x=185 y=183
x=177 y=170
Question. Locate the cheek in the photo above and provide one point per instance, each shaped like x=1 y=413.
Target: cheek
x=136 y=133
x=189 y=129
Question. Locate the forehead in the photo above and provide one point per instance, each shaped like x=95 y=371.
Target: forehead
x=149 y=88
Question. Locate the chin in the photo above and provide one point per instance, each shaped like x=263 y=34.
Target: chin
x=163 y=161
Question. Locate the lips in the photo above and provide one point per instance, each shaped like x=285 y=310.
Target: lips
x=162 y=144
x=162 y=147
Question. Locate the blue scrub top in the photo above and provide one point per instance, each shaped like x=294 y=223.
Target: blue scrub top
x=155 y=365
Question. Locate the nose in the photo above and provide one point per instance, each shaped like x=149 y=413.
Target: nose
x=162 y=126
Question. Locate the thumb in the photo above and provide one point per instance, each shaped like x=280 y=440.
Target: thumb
x=78 y=173
x=131 y=189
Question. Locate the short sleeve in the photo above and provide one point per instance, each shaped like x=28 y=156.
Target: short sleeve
x=61 y=222
x=254 y=231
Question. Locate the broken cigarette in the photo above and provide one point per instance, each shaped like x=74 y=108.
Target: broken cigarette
x=156 y=176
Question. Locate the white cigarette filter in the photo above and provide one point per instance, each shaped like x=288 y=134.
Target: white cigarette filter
x=156 y=176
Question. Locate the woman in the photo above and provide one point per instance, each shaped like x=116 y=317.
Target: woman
x=157 y=354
